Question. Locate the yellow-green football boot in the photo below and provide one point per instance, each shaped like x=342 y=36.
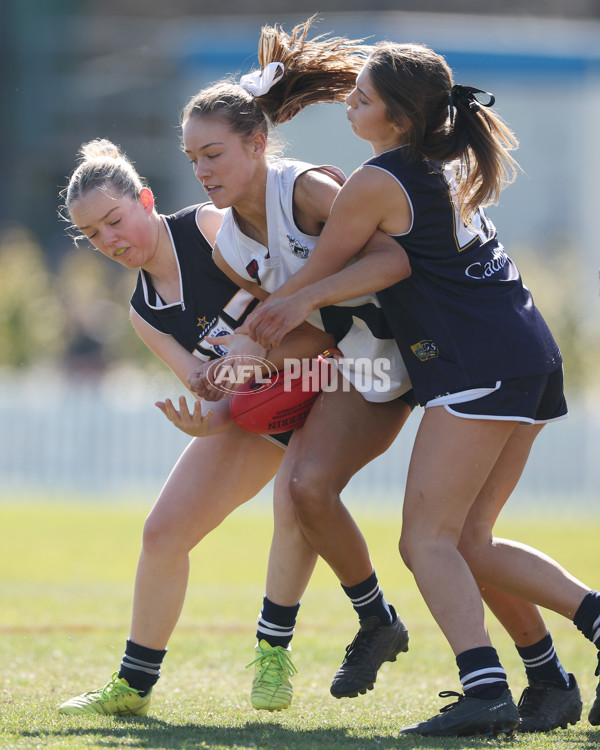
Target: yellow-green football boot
x=115 y=698
x=272 y=688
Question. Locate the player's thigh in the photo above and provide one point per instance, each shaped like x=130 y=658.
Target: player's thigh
x=344 y=432
x=500 y=483
x=450 y=463
x=213 y=476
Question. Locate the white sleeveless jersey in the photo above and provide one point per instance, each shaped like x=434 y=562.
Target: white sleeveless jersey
x=372 y=360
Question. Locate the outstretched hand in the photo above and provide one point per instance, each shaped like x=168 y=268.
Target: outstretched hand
x=192 y=423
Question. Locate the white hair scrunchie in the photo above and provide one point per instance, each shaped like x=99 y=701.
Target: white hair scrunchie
x=260 y=82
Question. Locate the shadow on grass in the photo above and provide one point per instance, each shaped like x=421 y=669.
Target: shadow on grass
x=147 y=732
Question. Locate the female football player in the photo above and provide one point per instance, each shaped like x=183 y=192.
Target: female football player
x=480 y=357
x=276 y=209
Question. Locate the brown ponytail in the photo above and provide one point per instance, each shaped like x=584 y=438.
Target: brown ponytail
x=322 y=69
x=415 y=84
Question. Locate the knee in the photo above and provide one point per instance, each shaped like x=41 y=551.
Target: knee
x=310 y=491
x=161 y=538
x=420 y=543
x=153 y=536
x=414 y=539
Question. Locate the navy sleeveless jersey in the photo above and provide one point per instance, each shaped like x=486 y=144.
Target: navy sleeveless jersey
x=463 y=318
x=211 y=304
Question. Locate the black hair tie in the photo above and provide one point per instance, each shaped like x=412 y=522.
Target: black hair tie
x=467 y=96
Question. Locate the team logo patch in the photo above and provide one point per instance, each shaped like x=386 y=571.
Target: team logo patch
x=203 y=322
x=252 y=269
x=298 y=249
x=425 y=350
x=216 y=328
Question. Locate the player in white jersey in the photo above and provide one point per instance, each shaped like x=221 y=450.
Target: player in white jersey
x=358 y=325
x=276 y=210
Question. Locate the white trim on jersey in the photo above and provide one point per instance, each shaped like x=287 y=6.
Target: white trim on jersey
x=164 y=305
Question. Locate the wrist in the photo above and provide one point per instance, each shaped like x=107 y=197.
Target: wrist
x=311 y=297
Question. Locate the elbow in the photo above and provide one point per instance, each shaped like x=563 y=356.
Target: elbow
x=406 y=270
x=399 y=270
x=403 y=266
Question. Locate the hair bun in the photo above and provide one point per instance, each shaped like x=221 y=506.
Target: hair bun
x=98 y=148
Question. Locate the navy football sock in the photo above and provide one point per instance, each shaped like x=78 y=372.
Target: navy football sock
x=368 y=601
x=587 y=617
x=276 y=623
x=542 y=663
x=481 y=674
x=141 y=666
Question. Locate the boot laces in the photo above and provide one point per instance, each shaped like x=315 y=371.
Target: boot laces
x=360 y=644
x=450 y=694
x=273 y=663
x=115 y=687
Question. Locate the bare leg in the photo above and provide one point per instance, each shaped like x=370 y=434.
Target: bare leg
x=212 y=477
x=513 y=568
x=451 y=460
x=342 y=434
x=522 y=620
x=291 y=559
x=528 y=574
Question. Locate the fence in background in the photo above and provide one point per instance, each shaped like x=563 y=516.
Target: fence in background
x=105 y=439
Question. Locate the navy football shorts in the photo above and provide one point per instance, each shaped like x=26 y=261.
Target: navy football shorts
x=281 y=438
x=535 y=400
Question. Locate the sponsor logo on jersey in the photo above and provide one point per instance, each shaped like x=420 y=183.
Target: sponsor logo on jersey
x=425 y=350
x=490 y=267
x=298 y=249
x=252 y=269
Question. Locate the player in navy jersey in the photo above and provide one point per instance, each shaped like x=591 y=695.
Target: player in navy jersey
x=482 y=362
x=183 y=308
x=180 y=300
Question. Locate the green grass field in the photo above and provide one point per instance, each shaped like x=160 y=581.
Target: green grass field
x=66 y=575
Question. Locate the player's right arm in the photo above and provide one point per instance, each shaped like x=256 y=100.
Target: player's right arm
x=183 y=364
x=166 y=348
